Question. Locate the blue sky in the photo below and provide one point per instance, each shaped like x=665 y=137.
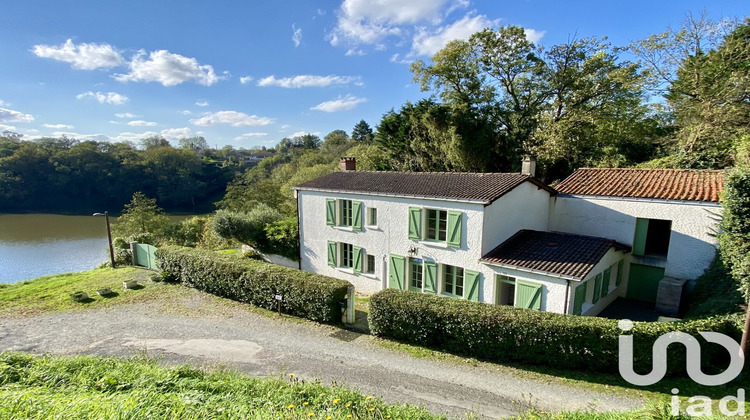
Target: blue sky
x=248 y=73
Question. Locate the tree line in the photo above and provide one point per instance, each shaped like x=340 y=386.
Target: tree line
x=67 y=175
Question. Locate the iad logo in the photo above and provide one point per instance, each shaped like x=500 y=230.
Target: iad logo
x=693 y=366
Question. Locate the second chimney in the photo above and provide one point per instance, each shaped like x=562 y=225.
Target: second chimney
x=528 y=166
x=348 y=164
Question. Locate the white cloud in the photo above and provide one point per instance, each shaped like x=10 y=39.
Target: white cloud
x=79 y=136
x=302 y=133
x=233 y=118
x=340 y=104
x=5 y=127
x=59 y=126
x=105 y=97
x=202 y=103
x=427 y=42
x=141 y=123
x=186 y=112
x=3 y=103
x=296 y=35
x=354 y=51
x=168 y=69
x=11 y=116
x=169 y=134
x=249 y=135
x=246 y=79
x=126 y=115
x=321 y=12
x=82 y=56
x=176 y=133
x=533 y=35
x=307 y=80
x=371 y=22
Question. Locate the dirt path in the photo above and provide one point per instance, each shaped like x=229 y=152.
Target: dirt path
x=259 y=345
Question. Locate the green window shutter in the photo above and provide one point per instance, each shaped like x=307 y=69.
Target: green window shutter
x=330 y=212
x=605 y=281
x=528 y=294
x=357 y=259
x=454 y=228
x=357 y=215
x=597 y=288
x=332 y=253
x=641 y=231
x=415 y=223
x=620 y=267
x=471 y=286
x=580 y=298
x=396 y=275
x=430 y=277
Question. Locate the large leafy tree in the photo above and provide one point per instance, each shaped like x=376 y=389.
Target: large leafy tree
x=703 y=70
x=574 y=103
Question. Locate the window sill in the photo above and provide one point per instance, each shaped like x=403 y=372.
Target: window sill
x=435 y=244
x=368 y=275
x=345 y=270
x=344 y=228
x=373 y=227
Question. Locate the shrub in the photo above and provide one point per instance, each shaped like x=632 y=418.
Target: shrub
x=248 y=228
x=508 y=334
x=304 y=294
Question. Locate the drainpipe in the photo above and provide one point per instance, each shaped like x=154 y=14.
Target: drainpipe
x=299 y=232
x=567 y=294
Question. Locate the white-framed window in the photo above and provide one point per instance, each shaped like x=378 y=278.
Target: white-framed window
x=347 y=255
x=345 y=212
x=416 y=275
x=372 y=216
x=453 y=280
x=369 y=264
x=437 y=225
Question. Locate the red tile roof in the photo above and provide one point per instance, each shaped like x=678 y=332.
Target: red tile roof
x=564 y=254
x=483 y=187
x=664 y=184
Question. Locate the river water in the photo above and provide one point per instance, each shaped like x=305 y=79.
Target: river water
x=33 y=245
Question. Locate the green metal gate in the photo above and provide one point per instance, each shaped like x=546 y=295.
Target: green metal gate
x=144 y=256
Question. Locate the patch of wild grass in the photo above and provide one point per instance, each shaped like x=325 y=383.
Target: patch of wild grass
x=138 y=388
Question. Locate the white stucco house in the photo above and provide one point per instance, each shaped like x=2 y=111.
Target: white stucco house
x=502 y=238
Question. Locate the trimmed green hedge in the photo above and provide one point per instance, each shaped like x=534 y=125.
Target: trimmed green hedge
x=508 y=334
x=305 y=294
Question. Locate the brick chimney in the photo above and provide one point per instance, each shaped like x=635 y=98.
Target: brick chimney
x=348 y=164
x=528 y=166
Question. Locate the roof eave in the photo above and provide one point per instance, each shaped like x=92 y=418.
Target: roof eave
x=644 y=199
x=532 y=271
x=377 y=194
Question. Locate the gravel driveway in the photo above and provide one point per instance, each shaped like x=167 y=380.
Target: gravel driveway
x=259 y=345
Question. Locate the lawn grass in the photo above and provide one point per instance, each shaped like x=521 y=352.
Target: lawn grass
x=87 y=387
x=52 y=293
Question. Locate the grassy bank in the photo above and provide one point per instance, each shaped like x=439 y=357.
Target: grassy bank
x=94 y=388
x=52 y=293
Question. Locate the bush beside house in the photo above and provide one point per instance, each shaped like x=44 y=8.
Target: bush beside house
x=509 y=334
x=304 y=294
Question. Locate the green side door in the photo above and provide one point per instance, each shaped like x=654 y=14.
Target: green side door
x=579 y=299
x=643 y=282
x=396 y=277
x=528 y=294
x=472 y=285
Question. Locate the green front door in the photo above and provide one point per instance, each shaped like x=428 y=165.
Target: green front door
x=643 y=282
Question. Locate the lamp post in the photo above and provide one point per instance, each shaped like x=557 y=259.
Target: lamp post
x=109 y=237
